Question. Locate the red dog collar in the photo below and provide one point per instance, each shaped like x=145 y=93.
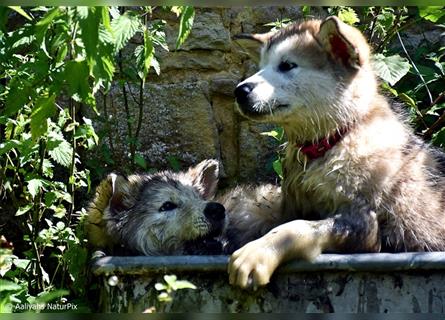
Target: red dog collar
x=318 y=149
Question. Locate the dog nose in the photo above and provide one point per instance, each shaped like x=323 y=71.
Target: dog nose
x=215 y=211
x=242 y=93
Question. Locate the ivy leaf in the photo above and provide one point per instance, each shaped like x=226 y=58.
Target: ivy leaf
x=124 y=28
x=185 y=24
x=44 y=108
x=392 y=68
x=432 y=13
x=34 y=186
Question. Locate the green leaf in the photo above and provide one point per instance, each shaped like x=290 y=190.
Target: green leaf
x=6 y=285
x=305 y=10
x=124 y=28
x=61 y=153
x=159 y=286
x=437 y=107
x=174 y=163
x=87 y=133
x=185 y=24
x=7 y=146
x=148 y=53
x=407 y=99
x=432 y=14
x=18 y=96
x=89 y=27
x=170 y=279
x=277 y=133
x=20 y=11
x=140 y=161
x=278 y=168
x=348 y=16
x=184 y=284
x=43 y=24
x=438 y=138
x=44 y=108
x=25 y=209
x=77 y=75
x=34 y=186
x=391 y=69
x=106 y=18
x=21 y=263
x=164 y=297
x=156 y=66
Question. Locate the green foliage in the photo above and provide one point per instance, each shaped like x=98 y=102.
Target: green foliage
x=187 y=14
x=168 y=288
x=433 y=14
x=279 y=23
x=391 y=68
x=278 y=135
x=53 y=63
x=348 y=15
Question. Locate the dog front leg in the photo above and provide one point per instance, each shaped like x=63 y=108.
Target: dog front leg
x=253 y=264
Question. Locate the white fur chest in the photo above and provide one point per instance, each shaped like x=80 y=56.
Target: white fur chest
x=322 y=185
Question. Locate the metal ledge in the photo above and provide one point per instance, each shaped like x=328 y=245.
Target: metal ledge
x=374 y=262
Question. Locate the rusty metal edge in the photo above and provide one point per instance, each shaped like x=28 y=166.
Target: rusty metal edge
x=373 y=262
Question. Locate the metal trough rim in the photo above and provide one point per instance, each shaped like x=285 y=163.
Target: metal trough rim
x=374 y=262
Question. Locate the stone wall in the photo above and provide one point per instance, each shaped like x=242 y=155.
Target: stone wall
x=189 y=111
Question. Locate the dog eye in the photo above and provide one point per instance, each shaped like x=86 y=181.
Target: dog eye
x=285 y=66
x=167 y=206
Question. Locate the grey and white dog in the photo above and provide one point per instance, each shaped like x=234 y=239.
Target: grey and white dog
x=170 y=213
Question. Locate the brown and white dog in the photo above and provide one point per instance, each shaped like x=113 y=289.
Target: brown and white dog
x=356 y=179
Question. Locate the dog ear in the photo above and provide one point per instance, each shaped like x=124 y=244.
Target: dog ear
x=124 y=191
x=251 y=43
x=205 y=177
x=344 y=43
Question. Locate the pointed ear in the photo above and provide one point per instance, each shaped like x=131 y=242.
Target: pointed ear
x=205 y=177
x=345 y=44
x=251 y=43
x=124 y=191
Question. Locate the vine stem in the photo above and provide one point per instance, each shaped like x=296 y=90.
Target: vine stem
x=415 y=68
x=428 y=133
x=72 y=182
x=373 y=24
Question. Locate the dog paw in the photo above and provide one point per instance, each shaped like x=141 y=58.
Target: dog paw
x=252 y=265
